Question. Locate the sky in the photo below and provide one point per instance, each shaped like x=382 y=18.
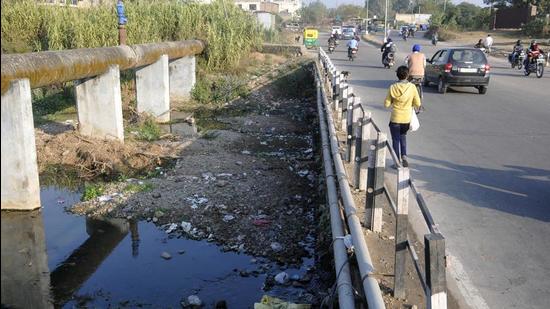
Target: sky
x=335 y=3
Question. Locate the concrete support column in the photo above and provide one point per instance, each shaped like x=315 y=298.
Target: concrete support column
x=182 y=77
x=153 y=89
x=20 y=186
x=99 y=106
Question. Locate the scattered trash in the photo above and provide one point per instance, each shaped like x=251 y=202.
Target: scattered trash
x=295 y=277
x=159 y=213
x=222 y=183
x=228 y=218
x=239 y=163
x=171 y=228
x=224 y=175
x=309 y=150
x=186 y=226
x=155 y=219
x=181 y=251
x=269 y=302
x=282 y=278
x=263 y=143
x=348 y=242
x=196 y=200
x=194 y=300
x=245 y=152
x=104 y=198
x=391 y=237
x=165 y=255
x=60 y=201
x=303 y=173
x=276 y=246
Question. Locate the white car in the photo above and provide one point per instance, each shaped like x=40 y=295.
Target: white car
x=337 y=29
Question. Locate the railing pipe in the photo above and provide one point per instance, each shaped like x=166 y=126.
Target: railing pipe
x=343 y=279
x=366 y=268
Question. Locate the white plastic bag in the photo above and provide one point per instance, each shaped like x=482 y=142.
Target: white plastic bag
x=415 y=124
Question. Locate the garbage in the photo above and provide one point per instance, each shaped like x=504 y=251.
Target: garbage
x=224 y=175
x=171 y=228
x=275 y=246
x=348 y=242
x=303 y=173
x=295 y=277
x=186 y=226
x=194 y=300
x=282 y=278
x=104 y=198
x=261 y=222
x=269 y=302
x=228 y=218
x=165 y=255
x=195 y=201
x=245 y=152
x=309 y=150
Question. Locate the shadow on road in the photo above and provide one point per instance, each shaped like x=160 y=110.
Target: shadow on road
x=518 y=190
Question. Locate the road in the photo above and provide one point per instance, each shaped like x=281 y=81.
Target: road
x=483 y=165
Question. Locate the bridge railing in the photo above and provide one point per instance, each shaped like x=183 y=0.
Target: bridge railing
x=163 y=71
x=366 y=149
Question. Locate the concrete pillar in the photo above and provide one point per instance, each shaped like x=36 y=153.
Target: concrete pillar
x=153 y=89
x=20 y=186
x=99 y=106
x=182 y=77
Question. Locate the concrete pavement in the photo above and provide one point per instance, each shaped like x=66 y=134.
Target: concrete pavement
x=482 y=163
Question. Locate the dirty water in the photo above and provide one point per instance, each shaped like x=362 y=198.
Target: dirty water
x=52 y=258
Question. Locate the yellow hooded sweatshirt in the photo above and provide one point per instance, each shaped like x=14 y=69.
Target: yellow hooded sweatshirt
x=402 y=96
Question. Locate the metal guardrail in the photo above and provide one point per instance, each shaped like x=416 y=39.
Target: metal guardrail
x=50 y=67
x=371 y=159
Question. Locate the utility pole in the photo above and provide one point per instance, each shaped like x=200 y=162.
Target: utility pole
x=386 y=22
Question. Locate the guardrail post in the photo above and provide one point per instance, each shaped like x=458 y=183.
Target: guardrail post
x=336 y=86
x=341 y=103
x=345 y=108
x=434 y=249
x=365 y=143
x=182 y=77
x=341 y=87
x=349 y=128
x=99 y=106
x=375 y=183
x=20 y=186
x=355 y=121
x=402 y=224
x=153 y=89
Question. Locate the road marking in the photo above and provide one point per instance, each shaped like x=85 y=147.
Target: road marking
x=496 y=189
x=469 y=292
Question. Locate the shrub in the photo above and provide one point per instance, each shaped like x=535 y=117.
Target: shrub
x=148 y=129
x=92 y=191
x=536 y=28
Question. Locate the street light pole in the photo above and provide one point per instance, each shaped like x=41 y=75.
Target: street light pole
x=386 y=22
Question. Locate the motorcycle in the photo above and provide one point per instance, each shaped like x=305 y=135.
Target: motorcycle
x=389 y=60
x=331 y=48
x=434 y=41
x=536 y=66
x=352 y=54
x=518 y=62
x=404 y=35
x=417 y=81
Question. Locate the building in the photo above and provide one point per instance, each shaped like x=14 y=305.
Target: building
x=290 y=7
x=419 y=19
x=266 y=19
x=257 y=5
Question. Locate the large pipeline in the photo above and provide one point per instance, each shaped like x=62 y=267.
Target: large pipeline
x=50 y=67
x=343 y=275
x=366 y=268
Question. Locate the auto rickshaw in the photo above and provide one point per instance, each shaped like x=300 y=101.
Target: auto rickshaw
x=311 y=37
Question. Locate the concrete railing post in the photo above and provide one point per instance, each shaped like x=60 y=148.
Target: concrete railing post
x=434 y=249
x=349 y=128
x=153 y=89
x=365 y=143
x=336 y=86
x=342 y=102
x=345 y=108
x=341 y=88
x=182 y=77
x=99 y=106
x=375 y=183
x=402 y=223
x=356 y=115
x=20 y=186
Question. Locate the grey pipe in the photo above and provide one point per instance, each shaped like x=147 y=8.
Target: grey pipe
x=370 y=284
x=345 y=293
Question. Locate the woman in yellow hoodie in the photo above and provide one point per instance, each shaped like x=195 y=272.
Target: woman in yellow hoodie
x=402 y=97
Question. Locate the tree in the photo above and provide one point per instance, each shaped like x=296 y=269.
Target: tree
x=314 y=13
x=401 y=6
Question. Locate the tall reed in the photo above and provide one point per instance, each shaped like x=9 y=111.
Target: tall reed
x=230 y=32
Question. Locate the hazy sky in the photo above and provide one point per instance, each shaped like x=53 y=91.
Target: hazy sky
x=334 y=3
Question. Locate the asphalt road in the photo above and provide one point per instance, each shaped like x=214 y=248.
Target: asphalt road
x=483 y=165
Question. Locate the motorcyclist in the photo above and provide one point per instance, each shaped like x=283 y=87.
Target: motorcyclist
x=518 y=48
x=532 y=53
x=479 y=44
x=416 y=62
x=386 y=48
x=434 y=37
x=352 y=44
x=332 y=40
x=404 y=33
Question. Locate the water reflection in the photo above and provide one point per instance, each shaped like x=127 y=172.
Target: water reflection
x=25 y=274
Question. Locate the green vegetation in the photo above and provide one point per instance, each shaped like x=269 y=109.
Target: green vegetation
x=230 y=32
x=53 y=103
x=137 y=187
x=220 y=89
x=147 y=129
x=92 y=191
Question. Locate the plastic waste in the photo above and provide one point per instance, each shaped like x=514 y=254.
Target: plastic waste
x=269 y=302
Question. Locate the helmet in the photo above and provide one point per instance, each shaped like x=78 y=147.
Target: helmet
x=389 y=40
x=518 y=42
x=416 y=48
